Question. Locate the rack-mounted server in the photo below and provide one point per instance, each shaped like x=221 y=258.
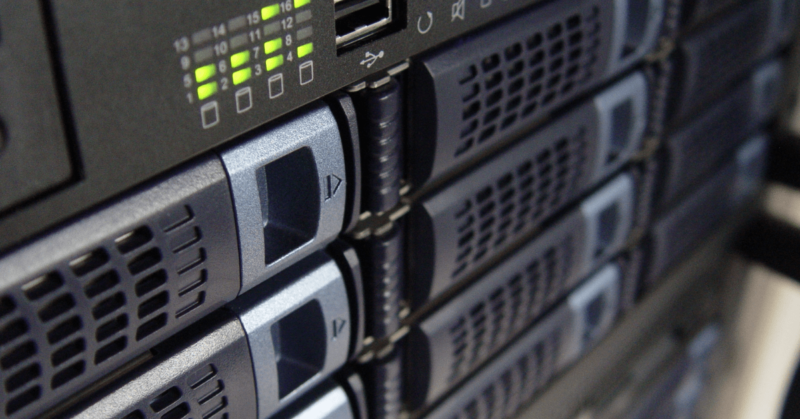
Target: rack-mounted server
x=369 y=222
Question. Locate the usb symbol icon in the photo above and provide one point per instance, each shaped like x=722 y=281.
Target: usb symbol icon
x=370 y=58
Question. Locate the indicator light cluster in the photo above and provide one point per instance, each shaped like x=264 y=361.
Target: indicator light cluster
x=241 y=70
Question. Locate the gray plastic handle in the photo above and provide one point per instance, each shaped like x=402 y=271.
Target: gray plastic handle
x=616 y=196
x=288 y=187
x=298 y=335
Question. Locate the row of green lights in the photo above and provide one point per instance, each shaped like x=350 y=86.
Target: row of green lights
x=241 y=76
x=273 y=10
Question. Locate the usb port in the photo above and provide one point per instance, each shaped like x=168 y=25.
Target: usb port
x=360 y=19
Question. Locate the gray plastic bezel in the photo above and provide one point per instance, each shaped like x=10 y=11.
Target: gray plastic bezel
x=315 y=278
x=634 y=89
x=315 y=129
x=655 y=15
x=619 y=192
x=197 y=256
x=605 y=283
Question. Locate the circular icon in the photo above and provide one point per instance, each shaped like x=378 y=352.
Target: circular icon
x=423 y=29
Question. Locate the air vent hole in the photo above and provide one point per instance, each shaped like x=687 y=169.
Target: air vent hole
x=42 y=286
x=101 y=284
x=133 y=240
x=64 y=329
x=89 y=262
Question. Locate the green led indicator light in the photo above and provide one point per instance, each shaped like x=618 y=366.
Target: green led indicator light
x=240 y=58
x=305 y=49
x=274 y=62
x=205 y=72
x=241 y=76
x=206 y=90
x=270 y=11
x=273 y=45
x=300 y=3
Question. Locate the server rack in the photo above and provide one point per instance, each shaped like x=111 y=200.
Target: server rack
x=246 y=216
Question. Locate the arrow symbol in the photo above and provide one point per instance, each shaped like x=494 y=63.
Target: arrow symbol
x=332 y=183
x=370 y=58
x=338 y=327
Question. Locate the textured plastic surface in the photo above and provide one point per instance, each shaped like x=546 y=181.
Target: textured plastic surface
x=716 y=55
x=485 y=211
x=382 y=132
x=700 y=146
x=31 y=130
x=490 y=87
x=385 y=386
x=384 y=283
x=299 y=329
x=89 y=297
x=288 y=186
x=512 y=378
x=202 y=373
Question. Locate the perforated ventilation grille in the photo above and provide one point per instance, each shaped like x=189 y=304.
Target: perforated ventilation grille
x=58 y=330
x=489 y=324
x=526 y=77
x=203 y=397
x=516 y=385
x=723 y=55
x=518 y=200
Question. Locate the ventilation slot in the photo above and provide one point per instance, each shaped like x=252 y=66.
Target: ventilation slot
x=108 y=306
x=108 y=329
x=135 y=239
x=24 y=376
x=67 y=352
x=6 y=306
x=202 y=376
x=101 y=284
x=12 y=331
x=180 y=411
x=57 y=307
x=151 y=282
x=27 y=397
x=107 y=351
x=89 y=262
x=144 y=261
x=42 y=286
x=151 y=326
x=166 y=399
x=67 y=374
x=197 y=302
x=176 y=218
